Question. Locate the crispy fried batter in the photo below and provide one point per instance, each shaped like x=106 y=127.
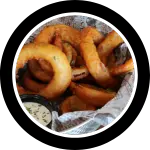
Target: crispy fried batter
x=106 y=47
x=59 y=62
x=96 y=68
x=124 y=68
x=91 y=94
x=79 y=73
x=73 y=103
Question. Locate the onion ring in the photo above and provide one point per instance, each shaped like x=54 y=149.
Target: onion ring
x=73 y=103
x=69 y=51
x=67 y=34
x=79 y=73
x=96 y=68
x=124 y=68
x=62 y=33
x=106 y=47
x=41 y=71
x=59 y=62
x=91 y=94
x=91 y=34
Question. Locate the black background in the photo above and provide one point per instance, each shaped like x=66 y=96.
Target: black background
x=129 y=125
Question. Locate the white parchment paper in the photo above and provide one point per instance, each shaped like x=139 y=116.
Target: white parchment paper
x=82 y=122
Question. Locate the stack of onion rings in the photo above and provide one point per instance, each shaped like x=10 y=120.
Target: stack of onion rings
x=61 y=55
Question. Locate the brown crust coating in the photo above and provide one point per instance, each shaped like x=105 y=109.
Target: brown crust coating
x=96 y=68
x=67 y=49
x=73 y=103
x=67 y=34
x=46 y=66
x=22 y=91
x=91 y=34
x=79 y=73
x=91 y=95
x=74 y=57
x=111 y=60
x=124 y=68
x=58 y=41
x=79 y=61
x=32 y=85
x=37 y=72
x=59 y=62
x=106 y=47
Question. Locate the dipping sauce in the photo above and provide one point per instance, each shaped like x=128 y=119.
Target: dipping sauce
x=39 y=112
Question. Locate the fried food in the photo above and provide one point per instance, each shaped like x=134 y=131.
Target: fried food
x=44 y=71
x=58 y=41
x=106 y=47
x=40 y=68
x=91 y=94
x=91 y=35
x=79 y=62
x=79 y=73
x=62 y=70
x=37 y=71
x=96 y=68
x=74 y=57
x=124 y=68
x=32 y=85
x=46 y=67
x=61 y=55
x=88 y=80
x=22 y=91
x=73 y=103
x=67 y=49
x=67 y=34
x=111 y=61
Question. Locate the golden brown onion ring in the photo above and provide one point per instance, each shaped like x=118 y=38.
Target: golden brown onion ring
x=96 y=68
x=106 y=47
x=124 y=68
x=69 y=51
x=91 y=94
x=73 y=103
x=79 y=73
x=91 y=34
x=67 y=34
x=58 y=61
x=46 y=68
